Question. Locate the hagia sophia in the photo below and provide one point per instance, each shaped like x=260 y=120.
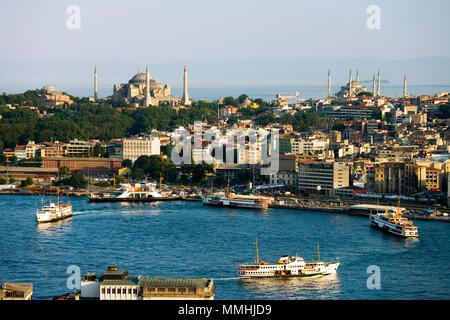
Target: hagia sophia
x=142 y=90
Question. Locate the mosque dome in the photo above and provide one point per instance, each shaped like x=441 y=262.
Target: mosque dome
x=138 y=77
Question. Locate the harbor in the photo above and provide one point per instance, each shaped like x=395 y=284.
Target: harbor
x=173 y=240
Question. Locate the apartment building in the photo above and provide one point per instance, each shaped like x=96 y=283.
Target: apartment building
x=135 y=147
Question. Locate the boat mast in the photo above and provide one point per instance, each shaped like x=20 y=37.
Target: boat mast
x=318 y=252
x=211 y=187
x=228 y=186
x=257 y=254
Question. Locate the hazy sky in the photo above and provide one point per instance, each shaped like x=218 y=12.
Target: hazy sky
x=34 y=33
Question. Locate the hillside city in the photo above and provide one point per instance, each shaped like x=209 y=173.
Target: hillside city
x=355 y=143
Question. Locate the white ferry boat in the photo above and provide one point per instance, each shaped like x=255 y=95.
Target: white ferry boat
x=287 y=267
x=140 y=192
x=393 y=222
x=236 y=201
x=53 y=212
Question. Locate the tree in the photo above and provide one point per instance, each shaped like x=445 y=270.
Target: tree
x=242 y=98
x=78 y=181
x=63 y=171
x=377 y=114
x=3 y=181
x=27 y=182
x=127 y=163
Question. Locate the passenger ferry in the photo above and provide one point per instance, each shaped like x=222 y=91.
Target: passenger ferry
x=393 y=222
x=140 y=192
x=54 y=212
x=287 y=266
x=227 y=199
x=236 y=201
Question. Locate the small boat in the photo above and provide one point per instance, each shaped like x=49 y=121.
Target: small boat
x=287 y=266
x=54 y=211
x=140 y=192
x=227 y=199
x=393 y=222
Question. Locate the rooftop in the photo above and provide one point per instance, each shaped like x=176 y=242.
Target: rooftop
x=172 y=282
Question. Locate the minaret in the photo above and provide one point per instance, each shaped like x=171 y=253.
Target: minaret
x=95 y=83
x=148 y=100
x=357 y=76
x=373 y=86
x=379 y=82
x=329 y=83
x=350 y=84
x=404 y=87
x=185 y=99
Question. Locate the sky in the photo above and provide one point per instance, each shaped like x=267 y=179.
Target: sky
x=216 y=39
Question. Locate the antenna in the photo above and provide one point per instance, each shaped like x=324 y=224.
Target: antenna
x=318 y=252
x=257 y=254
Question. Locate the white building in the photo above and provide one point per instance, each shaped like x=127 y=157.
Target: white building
x=303 y=146
x=135 y=147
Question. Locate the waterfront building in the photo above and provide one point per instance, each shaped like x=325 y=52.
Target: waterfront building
x=16 y=291
x=116 y=284
x=176 y=289
x=138 y=146
x=28 y=172
x=322 y=177
x=393 y=178
x=287 y=172
x=86 y=166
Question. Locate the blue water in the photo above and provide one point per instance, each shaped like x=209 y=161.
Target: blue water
x=178 y=239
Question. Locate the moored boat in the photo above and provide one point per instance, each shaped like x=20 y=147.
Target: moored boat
x=140 y=192
x=229 y=199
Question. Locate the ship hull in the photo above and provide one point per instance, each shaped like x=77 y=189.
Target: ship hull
x=56 y=219
x=317 y=271
x=234 y=204
x=134 y=199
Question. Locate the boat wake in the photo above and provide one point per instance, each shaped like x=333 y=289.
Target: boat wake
x=225 y=279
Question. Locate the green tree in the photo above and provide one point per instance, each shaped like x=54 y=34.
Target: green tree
x=377 y=114
x=127 y=163
x=63 y=171
x=27 y=182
